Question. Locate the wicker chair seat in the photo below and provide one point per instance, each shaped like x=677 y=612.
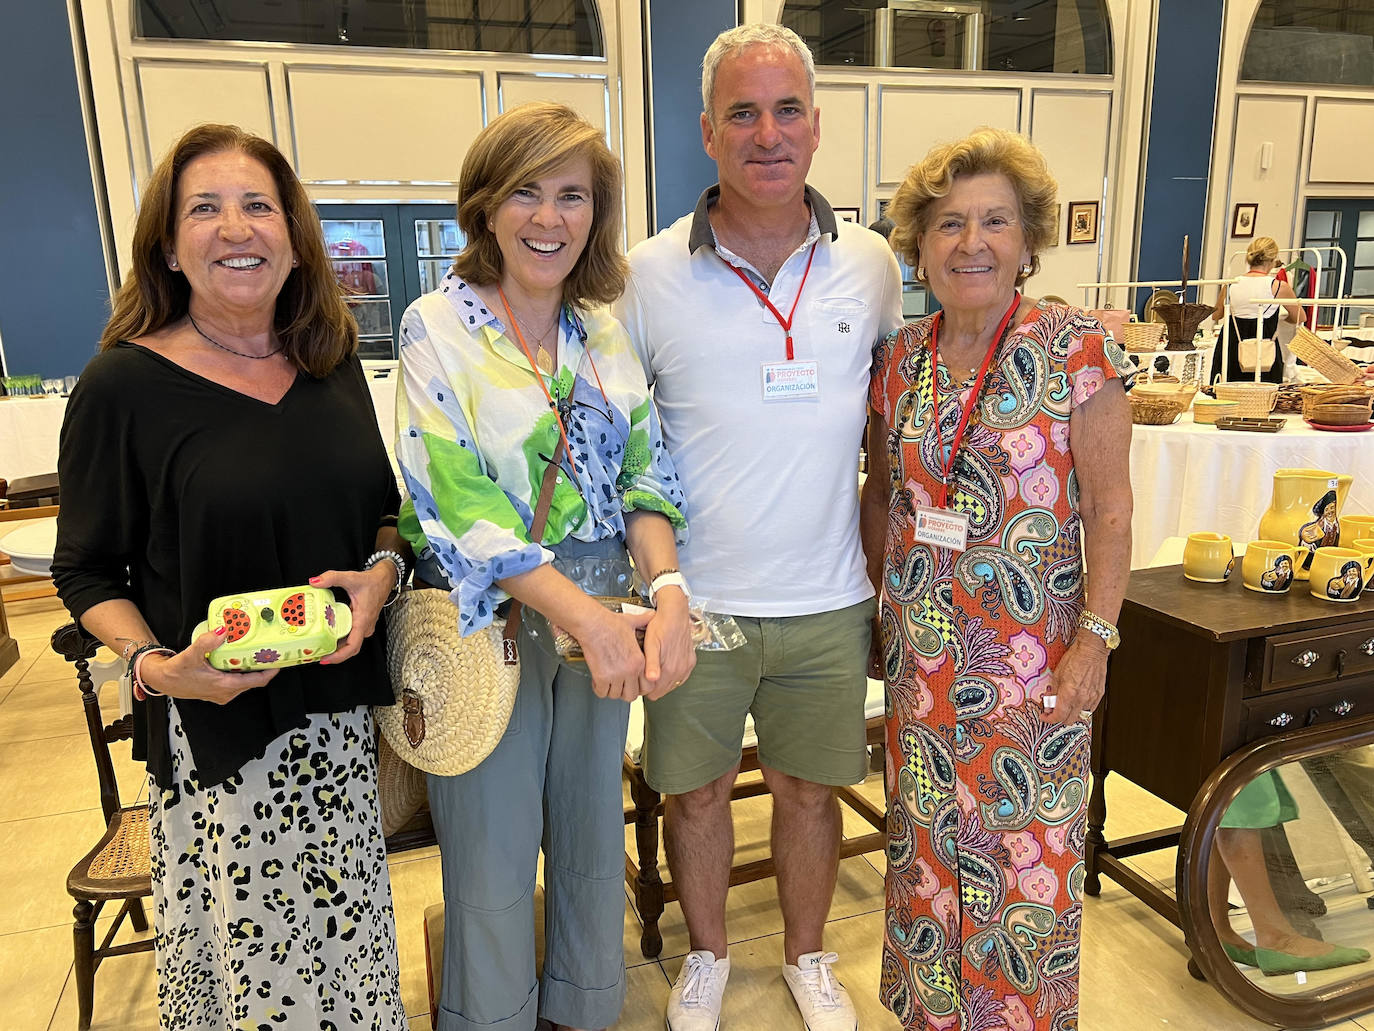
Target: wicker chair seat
x=119 y=864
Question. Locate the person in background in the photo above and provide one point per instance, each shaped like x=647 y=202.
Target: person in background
x=997 y=521
x=510 y=363
x=754 y=317
x=1254 y=316
x=204 y=441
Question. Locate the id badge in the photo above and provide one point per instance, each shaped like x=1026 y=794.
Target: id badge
x=791 y=381
x=942 y=528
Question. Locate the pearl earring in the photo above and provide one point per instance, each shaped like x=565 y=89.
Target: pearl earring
x=173 y=263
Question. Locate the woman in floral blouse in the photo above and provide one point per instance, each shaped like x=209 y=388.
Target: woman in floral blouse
x=509 y=364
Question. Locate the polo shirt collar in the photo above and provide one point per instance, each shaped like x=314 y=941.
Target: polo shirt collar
x=702 y=235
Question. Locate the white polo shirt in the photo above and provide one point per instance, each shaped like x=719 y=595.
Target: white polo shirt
x=772 y=485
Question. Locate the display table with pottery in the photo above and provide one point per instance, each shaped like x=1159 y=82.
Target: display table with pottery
x=1189 y=477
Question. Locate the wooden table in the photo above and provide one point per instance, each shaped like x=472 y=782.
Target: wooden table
x=1202 y=670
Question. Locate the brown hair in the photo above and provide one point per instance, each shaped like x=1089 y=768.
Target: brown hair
x=518 y=147
x=313 y=324
x=983 y=151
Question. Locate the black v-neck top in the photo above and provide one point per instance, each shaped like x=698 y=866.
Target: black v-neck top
x=177 y=489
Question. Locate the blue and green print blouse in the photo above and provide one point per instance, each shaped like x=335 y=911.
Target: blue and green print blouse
x=475 y=434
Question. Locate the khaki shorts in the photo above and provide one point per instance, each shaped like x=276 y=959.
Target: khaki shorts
x=804 y=679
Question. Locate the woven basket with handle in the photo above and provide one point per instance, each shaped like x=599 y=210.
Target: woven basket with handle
x=1317 y=353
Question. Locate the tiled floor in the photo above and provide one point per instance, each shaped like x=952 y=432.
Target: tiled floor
x=1134 y=974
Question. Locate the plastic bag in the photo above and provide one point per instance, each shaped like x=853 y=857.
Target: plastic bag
x=711 y=631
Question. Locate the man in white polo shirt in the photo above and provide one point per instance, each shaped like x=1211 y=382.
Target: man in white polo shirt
x=755 y=317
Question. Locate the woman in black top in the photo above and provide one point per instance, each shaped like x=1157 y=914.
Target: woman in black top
x=223 y=440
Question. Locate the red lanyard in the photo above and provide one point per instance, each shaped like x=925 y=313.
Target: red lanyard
x=785 y=323
x=553 y=405
x=943 y=500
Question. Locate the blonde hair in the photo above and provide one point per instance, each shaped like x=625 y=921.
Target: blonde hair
x=740 y=38
x=983 y=151
x=313 y=324
x=1261 y=249
x=524 y=144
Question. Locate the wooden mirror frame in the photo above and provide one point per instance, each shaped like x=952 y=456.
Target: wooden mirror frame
x=1327 y=1004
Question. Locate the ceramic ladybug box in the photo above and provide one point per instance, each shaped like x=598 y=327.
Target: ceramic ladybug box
x=286 y=626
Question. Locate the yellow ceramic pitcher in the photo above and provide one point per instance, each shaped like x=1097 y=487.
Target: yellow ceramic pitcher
x=1305 y=510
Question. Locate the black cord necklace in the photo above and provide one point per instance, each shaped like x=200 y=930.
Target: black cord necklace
x=207 y=336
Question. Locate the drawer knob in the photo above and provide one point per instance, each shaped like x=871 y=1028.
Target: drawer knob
x=1307 y=658
x=1368 y=647
x=1281 y=720
x=1343 y=708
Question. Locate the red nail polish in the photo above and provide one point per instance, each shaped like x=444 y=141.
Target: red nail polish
x=220 y=631
x=314 y=579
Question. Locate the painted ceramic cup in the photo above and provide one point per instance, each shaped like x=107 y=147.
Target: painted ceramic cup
x=1356 y=528
x=1208 y=558
x=1337 y=574
x=1366 y=548
x=1268 y=566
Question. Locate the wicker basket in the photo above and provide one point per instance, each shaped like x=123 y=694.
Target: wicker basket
x=1142 y=337
x=1182 y=321
x=1317 y=353
x=1256 y=400
x=1206 y=411
x=1353 y=394
x=1180 y=394
x=1156 y=411
x=1338 y=415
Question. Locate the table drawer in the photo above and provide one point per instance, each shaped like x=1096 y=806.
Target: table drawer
x=1278 y=712
x=1291 y=660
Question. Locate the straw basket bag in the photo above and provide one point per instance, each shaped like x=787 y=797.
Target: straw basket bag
x=454 y=694
x=1142 y=337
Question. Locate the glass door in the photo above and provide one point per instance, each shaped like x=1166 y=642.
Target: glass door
x=385 y=256
x=1348 y=224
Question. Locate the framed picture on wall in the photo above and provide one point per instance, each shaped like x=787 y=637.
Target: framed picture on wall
x=1243 y=221
x=846 y=214
x=1082 y=221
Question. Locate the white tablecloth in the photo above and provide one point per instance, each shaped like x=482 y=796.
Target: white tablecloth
x=1189 y=478
x=29 y=428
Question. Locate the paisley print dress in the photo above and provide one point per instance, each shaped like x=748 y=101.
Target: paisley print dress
x=987 y=802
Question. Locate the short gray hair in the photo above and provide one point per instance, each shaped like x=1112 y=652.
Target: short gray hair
x=733 y=41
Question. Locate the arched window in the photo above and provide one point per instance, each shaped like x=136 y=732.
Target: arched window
x=996 y=35
x=566 y=28
x=1305 y=41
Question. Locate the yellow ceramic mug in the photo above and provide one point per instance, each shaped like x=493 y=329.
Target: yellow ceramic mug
x=1208 y=558
x=1268 y=566
x=1366 y=548
x=1337 y=574
x=1356 y=528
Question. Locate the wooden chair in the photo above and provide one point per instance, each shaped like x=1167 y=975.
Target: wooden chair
x=22 y=586
x=117 y=869
x=647 y=887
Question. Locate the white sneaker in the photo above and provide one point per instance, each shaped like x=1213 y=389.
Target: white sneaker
x=823 y=1001
x=694 y=1002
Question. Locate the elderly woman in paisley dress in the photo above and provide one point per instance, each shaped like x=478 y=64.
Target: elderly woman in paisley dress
x=997 y=521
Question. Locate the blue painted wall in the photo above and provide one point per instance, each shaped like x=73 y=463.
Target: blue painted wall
x=679 y=34
x=1182 y=103
x=54 y=298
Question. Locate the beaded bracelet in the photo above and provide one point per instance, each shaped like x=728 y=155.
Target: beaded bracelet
x=400 y=565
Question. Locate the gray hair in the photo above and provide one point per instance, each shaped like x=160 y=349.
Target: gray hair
x=733 y=41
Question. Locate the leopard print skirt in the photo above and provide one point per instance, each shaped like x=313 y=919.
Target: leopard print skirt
x=273 y=902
